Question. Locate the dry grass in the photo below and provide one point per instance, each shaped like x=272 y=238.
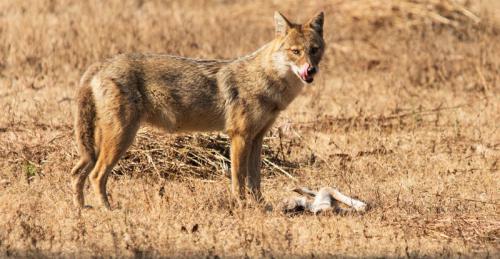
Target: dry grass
x=404 y=115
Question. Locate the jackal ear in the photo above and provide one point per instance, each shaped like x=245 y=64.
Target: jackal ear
x=316 y=23
x=282 y=24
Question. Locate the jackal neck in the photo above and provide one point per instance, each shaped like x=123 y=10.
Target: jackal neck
x=272 y=75
x=276 y=65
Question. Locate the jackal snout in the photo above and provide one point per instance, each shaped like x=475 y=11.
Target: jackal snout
x=306 y=72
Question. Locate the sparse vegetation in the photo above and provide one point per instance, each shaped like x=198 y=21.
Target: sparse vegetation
x=404 y=114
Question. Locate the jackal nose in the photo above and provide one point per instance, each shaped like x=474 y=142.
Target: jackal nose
x=311 y=70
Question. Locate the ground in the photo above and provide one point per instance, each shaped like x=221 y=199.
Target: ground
x=404 y=114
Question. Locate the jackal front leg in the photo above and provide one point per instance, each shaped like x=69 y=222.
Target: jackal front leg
x=254 y=166
x=240 y=154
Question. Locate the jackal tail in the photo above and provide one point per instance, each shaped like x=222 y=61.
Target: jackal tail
x=86 y=115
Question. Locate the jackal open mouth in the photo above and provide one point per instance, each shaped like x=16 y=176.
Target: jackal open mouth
x=306 y=72
x=308 y=79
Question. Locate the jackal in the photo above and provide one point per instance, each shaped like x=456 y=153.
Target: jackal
x=241 y=97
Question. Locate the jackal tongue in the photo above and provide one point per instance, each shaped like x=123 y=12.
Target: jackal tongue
x=303 y=71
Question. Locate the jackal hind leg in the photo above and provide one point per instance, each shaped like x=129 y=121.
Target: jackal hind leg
x=113 y=145
x=79 y=174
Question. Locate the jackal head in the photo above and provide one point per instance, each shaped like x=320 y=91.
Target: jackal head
x=301 y=46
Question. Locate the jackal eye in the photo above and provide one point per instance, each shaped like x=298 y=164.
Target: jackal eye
x=314 y=50
x=295 y=51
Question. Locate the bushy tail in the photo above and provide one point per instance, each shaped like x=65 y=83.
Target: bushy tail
x=86 y=115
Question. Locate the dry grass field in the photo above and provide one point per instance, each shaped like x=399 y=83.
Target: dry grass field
x=405 y=114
